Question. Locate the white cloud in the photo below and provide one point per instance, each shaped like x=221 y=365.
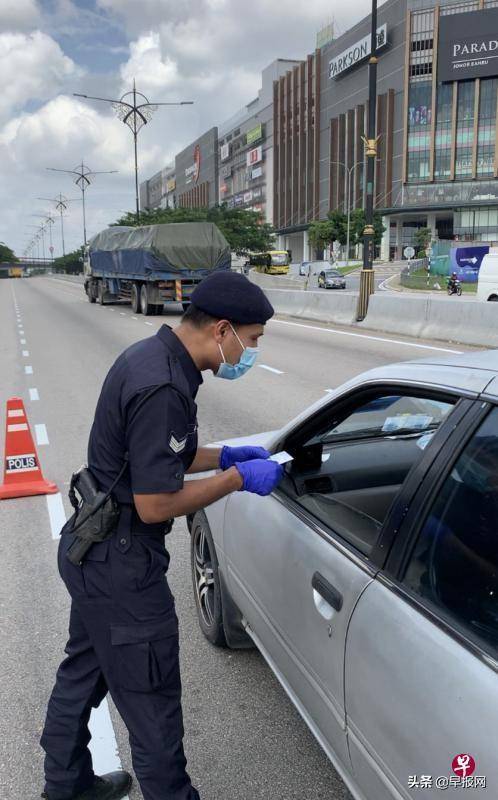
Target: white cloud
x=33 y=67
x=147 y=65
x=16 y=15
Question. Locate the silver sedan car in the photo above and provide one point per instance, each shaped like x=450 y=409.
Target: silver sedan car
x=368 y=580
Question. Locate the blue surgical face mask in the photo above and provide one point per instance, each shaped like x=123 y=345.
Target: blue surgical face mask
x=246 y=361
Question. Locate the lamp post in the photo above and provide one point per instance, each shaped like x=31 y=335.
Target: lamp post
x=82 y=180
x=60 y=205
x=349 y=171
x=49 y=221
x=367 y=284
x=135 y=115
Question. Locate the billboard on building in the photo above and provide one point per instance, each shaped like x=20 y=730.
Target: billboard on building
x=224 y=151
x=255 y=134
x=254 y=156
x=468 y=45
x=357 y=53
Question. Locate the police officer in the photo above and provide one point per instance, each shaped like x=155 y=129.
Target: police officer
x=123 y=629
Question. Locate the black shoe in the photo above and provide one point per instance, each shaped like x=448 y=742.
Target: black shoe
x=112 y=786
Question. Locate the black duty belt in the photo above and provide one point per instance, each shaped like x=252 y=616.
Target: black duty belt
x=139 y=527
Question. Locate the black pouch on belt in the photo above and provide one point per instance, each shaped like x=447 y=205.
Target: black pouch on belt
x=96 y=513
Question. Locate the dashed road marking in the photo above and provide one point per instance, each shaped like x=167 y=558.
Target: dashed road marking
x=41 y=434
x=25 y=353
x=270 y=369
x=56 y=513
x=148 y=323
x=33 y=395
x=134 y=317
x=122 y=314
x=28 y=370
x=23 y=341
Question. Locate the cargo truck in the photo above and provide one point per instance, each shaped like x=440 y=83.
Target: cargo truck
x=153 y=264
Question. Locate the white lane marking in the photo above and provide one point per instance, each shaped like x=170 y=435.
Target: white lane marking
x=329 y=390
x=122 y=314
x=270 y=369
x=134 y=317
x=23 y=341
x=25 y=353
x=28 y=370
x=21 y=426
x=33 y=394
x=103 y=745
x=56 y=513
x=15 y=412
x=109 y=308
x=21 y=333
x=41 y=434
x=368 y=336
x=148 y=323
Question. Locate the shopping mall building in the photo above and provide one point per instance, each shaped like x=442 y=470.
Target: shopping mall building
x=436 y=122
x=300 y=154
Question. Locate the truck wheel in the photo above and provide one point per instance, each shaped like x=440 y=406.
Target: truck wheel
x=185 y=306
x=144 y=301
x=135 y=299
x=100 y=293
x=89 y=293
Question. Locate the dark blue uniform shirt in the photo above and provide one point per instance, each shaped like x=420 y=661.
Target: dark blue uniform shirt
x=156 y=425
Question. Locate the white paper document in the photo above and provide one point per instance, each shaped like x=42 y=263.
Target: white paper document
x=282 y=457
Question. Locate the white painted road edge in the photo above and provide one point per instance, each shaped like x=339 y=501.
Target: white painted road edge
x=103 y=745
x=368 y=336
x=33 y=395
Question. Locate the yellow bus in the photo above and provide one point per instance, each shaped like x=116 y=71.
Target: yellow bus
x=15 y=272
x=273 y=262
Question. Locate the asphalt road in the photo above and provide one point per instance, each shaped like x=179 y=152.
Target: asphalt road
x=382 y=273
x=244 y=740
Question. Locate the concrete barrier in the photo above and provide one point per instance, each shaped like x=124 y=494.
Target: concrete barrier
x=324 y=307
x=456 y=320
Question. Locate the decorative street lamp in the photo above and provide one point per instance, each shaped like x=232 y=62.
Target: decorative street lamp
x=60 y=205
x=135 y=115
x=83 y=175
x=367 y=284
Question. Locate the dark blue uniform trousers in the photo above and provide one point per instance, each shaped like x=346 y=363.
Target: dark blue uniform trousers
x=123 y=638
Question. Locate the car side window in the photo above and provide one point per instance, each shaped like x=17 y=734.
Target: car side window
x=455 y=561
x=354 y=467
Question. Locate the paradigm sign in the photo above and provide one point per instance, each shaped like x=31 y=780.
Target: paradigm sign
x=468 y=45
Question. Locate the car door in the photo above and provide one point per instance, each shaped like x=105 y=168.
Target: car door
x=296 y=574
x=422 y=647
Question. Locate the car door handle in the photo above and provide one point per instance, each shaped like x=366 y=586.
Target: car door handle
x=327 y=591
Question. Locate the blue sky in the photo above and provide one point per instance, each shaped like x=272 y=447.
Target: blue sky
x=210 y=51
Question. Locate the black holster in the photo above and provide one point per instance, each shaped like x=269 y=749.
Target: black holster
x=96 y=514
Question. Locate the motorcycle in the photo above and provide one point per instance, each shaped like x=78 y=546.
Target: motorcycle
x=455 y=287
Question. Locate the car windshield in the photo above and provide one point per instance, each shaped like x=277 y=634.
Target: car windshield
x=332 y=273
x=390 y=416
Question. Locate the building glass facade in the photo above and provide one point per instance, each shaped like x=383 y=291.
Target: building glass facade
x=443 y=134
x=486 y=134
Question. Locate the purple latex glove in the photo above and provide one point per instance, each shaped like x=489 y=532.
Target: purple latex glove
x=259 y=475
x=230 y=455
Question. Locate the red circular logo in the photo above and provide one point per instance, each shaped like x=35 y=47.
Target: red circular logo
x=463 y=765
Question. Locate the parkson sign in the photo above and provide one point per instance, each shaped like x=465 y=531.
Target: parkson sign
x=468 y=45
x=356 y=53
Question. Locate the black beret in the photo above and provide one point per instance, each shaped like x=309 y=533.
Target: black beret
x=230 y=295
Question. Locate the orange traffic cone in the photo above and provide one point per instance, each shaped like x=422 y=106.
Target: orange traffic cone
x=23 y=476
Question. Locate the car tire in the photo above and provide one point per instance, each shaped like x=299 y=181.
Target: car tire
x=206 y=581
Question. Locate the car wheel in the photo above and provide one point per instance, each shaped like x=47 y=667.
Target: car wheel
x=493 y=298
x=206 y=581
